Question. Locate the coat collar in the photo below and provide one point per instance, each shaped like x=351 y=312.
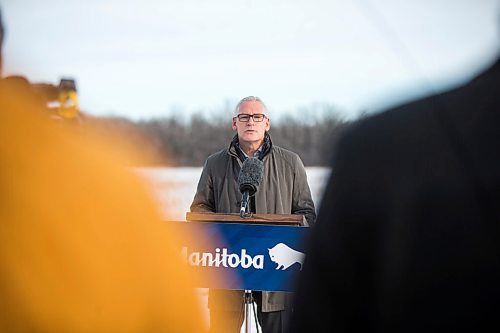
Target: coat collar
x=235 y=150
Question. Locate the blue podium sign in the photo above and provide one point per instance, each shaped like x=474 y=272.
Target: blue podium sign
x=243 y=256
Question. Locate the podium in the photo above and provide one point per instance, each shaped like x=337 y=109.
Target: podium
x=258 y=219
x=271 y=219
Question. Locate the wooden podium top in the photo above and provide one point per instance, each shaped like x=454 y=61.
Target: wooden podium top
x=272 y=219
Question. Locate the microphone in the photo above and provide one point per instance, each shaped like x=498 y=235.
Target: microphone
x=249 y=179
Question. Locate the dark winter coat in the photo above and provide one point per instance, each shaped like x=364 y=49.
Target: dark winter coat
x=284 y=190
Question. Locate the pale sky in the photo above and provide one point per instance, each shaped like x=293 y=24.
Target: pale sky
x=145 y=58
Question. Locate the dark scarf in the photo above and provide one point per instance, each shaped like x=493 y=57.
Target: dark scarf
x=266 y=147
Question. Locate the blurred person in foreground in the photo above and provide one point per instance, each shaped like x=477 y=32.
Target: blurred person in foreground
x=284 y=190
x=408 y=234
x=82 y=247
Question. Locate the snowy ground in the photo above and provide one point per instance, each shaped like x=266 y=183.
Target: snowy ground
x=174 y=189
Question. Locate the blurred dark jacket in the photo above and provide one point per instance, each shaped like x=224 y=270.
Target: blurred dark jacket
x=407 y=237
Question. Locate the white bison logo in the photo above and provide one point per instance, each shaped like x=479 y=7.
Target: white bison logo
x=285 y=256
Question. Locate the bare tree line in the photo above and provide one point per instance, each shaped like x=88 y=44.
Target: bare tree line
x=175 y=141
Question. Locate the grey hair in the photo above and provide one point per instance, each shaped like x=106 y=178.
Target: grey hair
x=250 y=99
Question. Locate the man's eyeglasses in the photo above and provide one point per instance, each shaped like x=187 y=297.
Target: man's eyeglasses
x=245 y=118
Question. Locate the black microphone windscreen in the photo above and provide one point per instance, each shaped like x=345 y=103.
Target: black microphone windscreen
x=251 y=175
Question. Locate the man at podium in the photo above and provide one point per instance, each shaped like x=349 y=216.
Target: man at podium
x=284 y=190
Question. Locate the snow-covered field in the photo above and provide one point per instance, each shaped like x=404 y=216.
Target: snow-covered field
x=174 y=188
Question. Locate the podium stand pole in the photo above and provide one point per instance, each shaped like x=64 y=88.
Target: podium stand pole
x=248 y=307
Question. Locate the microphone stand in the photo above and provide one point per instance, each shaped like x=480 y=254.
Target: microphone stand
x=248 y=298
x=245 y=211
x=248 y=307
x=248 y=208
